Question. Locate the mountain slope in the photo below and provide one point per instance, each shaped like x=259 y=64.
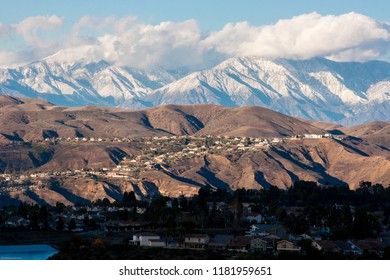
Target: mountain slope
x=319 y=89
x=315 y=89
x=35 y=119
x=82 y=83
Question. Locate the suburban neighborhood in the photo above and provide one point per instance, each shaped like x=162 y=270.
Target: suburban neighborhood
x=157 y=153
x=269 y=223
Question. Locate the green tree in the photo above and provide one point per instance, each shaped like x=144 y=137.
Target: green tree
x=72 y=224
x=60 y=224
x=129 y=197
x=23 y=209
x=238 y=212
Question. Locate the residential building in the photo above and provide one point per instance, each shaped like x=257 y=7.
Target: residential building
x=220 y=241
x=17 y=221
x=157 y=242
x=240 y=243
x=285 y=245
x=312 y=136
x=326 y=246
x=143 y=238
x=370 y=246
x=348 y=248
x=196 y=240
x=258 y=245
x=266 y=229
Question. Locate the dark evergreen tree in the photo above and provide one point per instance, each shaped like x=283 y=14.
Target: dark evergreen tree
x=60 y=224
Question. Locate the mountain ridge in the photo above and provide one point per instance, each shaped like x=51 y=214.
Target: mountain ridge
x=319 y=89
x=30 y=118
x=280 y=85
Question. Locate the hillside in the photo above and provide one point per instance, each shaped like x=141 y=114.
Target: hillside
x=176 y=149
x=34 y=119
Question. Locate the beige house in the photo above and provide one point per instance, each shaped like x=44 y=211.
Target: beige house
x=285 y=245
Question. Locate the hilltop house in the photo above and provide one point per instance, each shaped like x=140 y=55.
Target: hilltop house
x=312 y=136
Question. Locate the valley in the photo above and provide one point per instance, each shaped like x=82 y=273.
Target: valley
x=94 y=153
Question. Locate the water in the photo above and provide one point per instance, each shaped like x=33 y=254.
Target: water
x=27 y=252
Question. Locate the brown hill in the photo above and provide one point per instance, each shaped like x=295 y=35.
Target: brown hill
x=33 y=120
x=363 y=154
x=249 y=121
x=375 y=132
x=326 y=161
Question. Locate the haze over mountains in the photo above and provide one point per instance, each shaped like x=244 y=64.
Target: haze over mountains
x=317 y=89
x=364 y=153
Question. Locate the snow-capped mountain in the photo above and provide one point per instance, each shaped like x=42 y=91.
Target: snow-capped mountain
x=320 y=89
x=82 y=83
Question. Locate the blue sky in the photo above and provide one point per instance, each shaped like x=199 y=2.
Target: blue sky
x=211 y=14
x=195 y=34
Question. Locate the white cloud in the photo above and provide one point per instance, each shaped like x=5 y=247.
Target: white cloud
x=6 y=30
x=125 y=41
x=358 y=54
x=29 y=28
x=108 y=24
x=302 y=37
x=10 y=59
x=167 y=44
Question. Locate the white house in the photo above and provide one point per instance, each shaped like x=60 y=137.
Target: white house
x=156 y=243
x=144 y=238
x=196 y=240
x=312 y=136
x=253 y=217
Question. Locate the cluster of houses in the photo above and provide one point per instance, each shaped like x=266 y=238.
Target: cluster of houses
x=157 y=152
x=266 y=243
x=265 y=235
x=159 y=149
x=316 y=136
x=35 y=180
x=78 y=215
x=260 y=238
x=351 y=247
x=156 y=139
x=263 y=238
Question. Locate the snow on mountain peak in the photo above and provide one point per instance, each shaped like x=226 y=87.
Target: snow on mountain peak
x=316 y=89
x=82 y=82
